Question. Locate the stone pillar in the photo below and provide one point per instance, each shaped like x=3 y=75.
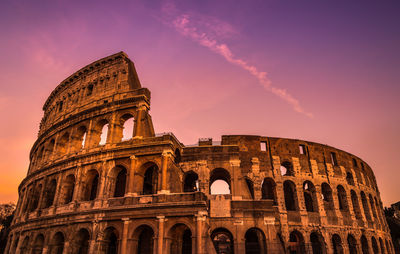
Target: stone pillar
x=102 y=178
x=78 y=183
x=124 y=241
x=131 y=177
x=235 y=184
x=66 y=249
x=160 y=238
x=138 y=125
x=58 y=190
x=166 y=155
x=200 y=217
x=112 y=129
x=92 y=244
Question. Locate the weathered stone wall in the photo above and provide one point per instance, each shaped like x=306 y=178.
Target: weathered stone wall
x=91 y=190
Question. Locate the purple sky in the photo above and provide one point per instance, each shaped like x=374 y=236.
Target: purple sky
x=323 y=71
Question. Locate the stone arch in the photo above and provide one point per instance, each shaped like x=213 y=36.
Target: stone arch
x=91 y=184
x=62 y=144
x=100 y=132
x=222 y=240
x=38 y=244
x=67 y=191
x=39 y=156
x=57 y=243
x=220 y=181
x=373 y=207
x=24 y=249
x=291 y=201
x=190 y=182
x=356 y=206
x=50 y=193
x=79 y=139
x=150 y=179
x=317 y=243
x=268 y=189
x=49 y=149
x=349 y=178
x=327 y=197
x=337 y=244
x=255 y=242
x=143 y=237
x=109 y=245
x=352 y=244
x=310 y=196
x=342 y=198
x=364 y=245
x=177 y=158
x=81 y=241
x=286 y=168
x=365 y=206
x=296 y=243
x=180 y=239
x=35 y=198
x=127 y=123
x=117 y=181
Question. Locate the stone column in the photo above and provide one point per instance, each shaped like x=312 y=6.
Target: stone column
x=124 y=241
x=78 y=183
x=58 y=190
x=235 y=185
x=66 y=248
x=138 y=126
x=166 y=155
x=160 y=238
x=200 y=217
x=131 y=177
x=103 y=177
x=112 y=128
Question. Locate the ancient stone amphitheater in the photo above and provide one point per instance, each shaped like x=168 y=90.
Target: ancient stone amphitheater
x=101 y=181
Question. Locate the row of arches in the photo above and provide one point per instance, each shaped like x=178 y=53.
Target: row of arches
x=318 y=245
x=81 y=137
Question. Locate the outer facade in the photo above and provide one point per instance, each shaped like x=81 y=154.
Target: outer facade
x=96 y=186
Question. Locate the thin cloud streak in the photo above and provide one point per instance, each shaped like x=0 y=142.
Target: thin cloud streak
x=187 y=27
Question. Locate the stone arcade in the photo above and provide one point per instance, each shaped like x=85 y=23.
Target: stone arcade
x=96 y=186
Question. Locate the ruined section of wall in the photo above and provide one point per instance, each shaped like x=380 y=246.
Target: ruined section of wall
x=95 y=185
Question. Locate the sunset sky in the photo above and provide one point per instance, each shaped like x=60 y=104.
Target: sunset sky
x=323 y=71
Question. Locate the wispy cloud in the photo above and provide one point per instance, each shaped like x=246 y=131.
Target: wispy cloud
x=208 y=32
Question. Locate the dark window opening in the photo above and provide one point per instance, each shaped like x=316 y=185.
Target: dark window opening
x=349 y=178
x=316 y=243
x=342 y=198
x=286 y=169
x=150 y=180
x=352 y=244
x=89 y=90
x=191 y=182
x=145 y=241
x=290 y=195
x=250 y=187
x=337 y=244
x=302 y=149
x=255 y=241
x=120 y=183
x=223 y=241
x=334 y=159
x=268 y=189
x=355 y=163
x=60 y=106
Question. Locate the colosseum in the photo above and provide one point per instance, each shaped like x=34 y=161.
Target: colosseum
x=101 y=181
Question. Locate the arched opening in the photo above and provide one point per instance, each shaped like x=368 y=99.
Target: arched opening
x=289 y=189
x=103 y=134
x=50 y=193
x=268 y=189
x=49 y=149
x=57 y=244
x=342 y=198
x=82 y=242
x=191 y=182
x=110 y=244
x=177 y=158
x=91 y=185
x=250 y=187
x=352 y=244
x=80 y=138
x=382 y=245
x=120 y=183
x=296 y=243
x=67 y=191
x=365 y=206
x=39 y=156
x=223 y=241
x=364 y=245
x=128 y=123
x=286 y=169
x=255 y=241
x=220 y=180
x=180 y=239
x=35 y=198
x=62 y=144
x=337 y=244
x=150 y=180
x=24 y=246
x=373 y=208
x=356 y=207
x=37 y=247
x=327 y=197
x=374 y=245
x=310 y=198
x=144 y=236
x=317 y=243
x=349 y=178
